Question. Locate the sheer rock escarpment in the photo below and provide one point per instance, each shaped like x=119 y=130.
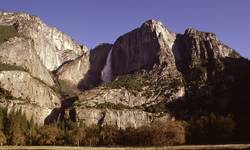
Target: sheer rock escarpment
x=146 y=75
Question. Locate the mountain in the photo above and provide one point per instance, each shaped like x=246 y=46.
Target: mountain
x=30 y=52
x=148 y=74
x=153 y=74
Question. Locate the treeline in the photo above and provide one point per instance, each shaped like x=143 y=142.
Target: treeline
x=16 y=129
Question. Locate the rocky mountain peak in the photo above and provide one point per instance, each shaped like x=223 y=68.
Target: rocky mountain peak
x=161 y=31
x=211 y=41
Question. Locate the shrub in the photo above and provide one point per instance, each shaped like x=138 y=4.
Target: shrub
x=135 y=137
x=169 y=133
x=48 y=135
x=10 y=67
x=109 y=135
x=157 y=134
x=131 y=82
x=7 y=32
x=3 y=139
x=76 y=137
x=211 y=129
x=92 y=136
x=17 y=138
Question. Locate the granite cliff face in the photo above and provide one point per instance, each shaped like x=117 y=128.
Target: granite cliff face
x=19 y=51
x=142 y=48
x=71 y=73
x=52 y=46
x=150 y=69
x=97 y=60
x=29 y=51
x=19 y=89
x=145 y=52
x=146 y=75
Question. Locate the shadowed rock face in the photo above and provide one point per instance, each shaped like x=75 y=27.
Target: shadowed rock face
x=200 y=54
x=71 y=73
x=84 y=72
x=97 y=59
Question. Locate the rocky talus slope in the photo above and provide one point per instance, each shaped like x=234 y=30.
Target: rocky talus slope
x=146 y=75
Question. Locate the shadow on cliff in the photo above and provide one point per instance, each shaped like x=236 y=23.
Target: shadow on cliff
x=224 y=91
x=97 y=61
x=65 y=112
x=92 y=79
x=227 y=93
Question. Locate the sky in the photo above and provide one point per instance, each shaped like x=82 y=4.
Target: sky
x=92 y=22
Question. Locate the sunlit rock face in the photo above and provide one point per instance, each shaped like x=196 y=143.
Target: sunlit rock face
x=146 y=75
x=27 y=58
x=52 y=46
x=20 y=52
x=19 y=89
x=70 y=74
x=126 y=100
x=142 y=48
x=120 y=118
x=148 y=70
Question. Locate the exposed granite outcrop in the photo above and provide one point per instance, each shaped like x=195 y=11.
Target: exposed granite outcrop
x=142 y=48
x=145 y=52
x=152 y=68
x=52 y=46
x=84 y=72
x=121 y=118
x=26 y=59
x=97 y=59
x=22 y=90
x=70 y=74
x=19 y=51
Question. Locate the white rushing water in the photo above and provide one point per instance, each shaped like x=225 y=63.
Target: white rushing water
x=107 y=70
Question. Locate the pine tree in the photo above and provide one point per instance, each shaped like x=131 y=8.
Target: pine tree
x=48 y=135
x=1 y=119
x=2 y=138
x=17 y=137
x=23 y=122
x=31 y=133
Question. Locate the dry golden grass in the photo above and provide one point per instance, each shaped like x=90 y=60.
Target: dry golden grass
x=184 y=147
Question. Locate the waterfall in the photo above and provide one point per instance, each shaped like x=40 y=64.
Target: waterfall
x=107 y=70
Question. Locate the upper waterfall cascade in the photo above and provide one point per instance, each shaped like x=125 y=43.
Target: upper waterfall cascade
x=107 y=69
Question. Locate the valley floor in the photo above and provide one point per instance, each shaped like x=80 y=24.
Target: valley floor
x=183 y=147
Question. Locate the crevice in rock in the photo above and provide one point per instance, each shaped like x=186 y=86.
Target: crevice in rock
x=64 y=112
